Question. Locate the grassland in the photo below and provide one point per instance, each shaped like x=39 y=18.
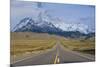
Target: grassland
x=27 y=42
x=80 y=45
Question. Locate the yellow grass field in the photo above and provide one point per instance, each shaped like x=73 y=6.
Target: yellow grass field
x=27 y=42
x=81 y=45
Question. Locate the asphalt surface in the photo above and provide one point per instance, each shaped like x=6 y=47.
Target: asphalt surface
x=55 y=56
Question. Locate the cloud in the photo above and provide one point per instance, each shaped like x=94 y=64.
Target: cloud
x=21 y=9
x=90 y=21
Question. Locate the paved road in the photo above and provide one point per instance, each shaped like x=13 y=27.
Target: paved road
x=55 y=56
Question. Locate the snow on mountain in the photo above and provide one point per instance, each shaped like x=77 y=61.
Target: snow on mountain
x=73 y=27
x=63 y=25
x=24 y=22
x=44 y=20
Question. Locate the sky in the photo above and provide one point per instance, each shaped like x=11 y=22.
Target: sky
x=68 y=13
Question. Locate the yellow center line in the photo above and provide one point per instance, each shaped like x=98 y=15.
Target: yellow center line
x=57 y=60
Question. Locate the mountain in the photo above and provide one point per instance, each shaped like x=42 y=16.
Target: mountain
x=65 y=26
x=48 y=24
x=29 y=25
x=73 y=27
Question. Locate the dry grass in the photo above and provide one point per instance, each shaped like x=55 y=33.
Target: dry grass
x=22 y=43
x=28 y=42
x=81 y=45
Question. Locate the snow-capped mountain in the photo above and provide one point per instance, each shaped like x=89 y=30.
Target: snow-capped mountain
x=28 y=24
x=73 y=27
x=58 y=23
x=48 y=24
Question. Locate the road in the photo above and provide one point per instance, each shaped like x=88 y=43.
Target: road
x=57 y=55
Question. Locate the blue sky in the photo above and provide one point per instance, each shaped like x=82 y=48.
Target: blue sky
x=69 y=13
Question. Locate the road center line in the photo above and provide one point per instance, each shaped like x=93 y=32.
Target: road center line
x=55 y=61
